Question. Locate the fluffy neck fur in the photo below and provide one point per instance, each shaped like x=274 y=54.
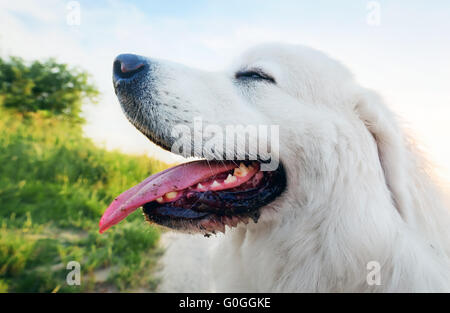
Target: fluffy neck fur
x=347 y=218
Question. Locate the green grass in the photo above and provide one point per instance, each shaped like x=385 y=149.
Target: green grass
x=54 y=186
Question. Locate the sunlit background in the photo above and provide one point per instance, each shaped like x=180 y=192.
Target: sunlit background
x=399 y=48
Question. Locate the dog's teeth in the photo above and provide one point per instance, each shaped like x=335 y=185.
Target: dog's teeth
x=171 y=195
x=200 y=186
x=215 y=184
x=230 y=179
x=241 y=171
x=159 y=200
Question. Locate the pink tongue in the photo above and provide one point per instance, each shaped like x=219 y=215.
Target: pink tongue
x=173 y=179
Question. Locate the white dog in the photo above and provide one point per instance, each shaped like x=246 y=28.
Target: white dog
x=352 y=209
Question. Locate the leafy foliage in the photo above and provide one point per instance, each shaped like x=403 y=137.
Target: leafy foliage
x=55 y=184
x=49 y=86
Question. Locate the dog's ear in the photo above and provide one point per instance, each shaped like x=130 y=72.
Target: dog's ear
x=392 y=149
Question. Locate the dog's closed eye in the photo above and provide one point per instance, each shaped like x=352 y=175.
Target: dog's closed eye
x=254 y=75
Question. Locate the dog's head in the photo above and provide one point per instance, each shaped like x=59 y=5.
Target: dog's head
x=320 y=123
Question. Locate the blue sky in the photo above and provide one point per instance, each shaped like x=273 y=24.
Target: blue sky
x=405 y=57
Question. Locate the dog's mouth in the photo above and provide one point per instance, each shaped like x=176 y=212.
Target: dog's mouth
x=200 y=196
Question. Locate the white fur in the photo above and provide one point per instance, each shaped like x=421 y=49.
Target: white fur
x=358 y=190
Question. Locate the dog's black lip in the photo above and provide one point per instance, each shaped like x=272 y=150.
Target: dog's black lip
x=280 y=169
x=176 y=217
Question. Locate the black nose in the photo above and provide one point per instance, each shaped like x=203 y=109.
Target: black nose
x=128 y=65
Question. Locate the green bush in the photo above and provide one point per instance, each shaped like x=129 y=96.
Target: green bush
x=50 y=86
x=55 y=184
